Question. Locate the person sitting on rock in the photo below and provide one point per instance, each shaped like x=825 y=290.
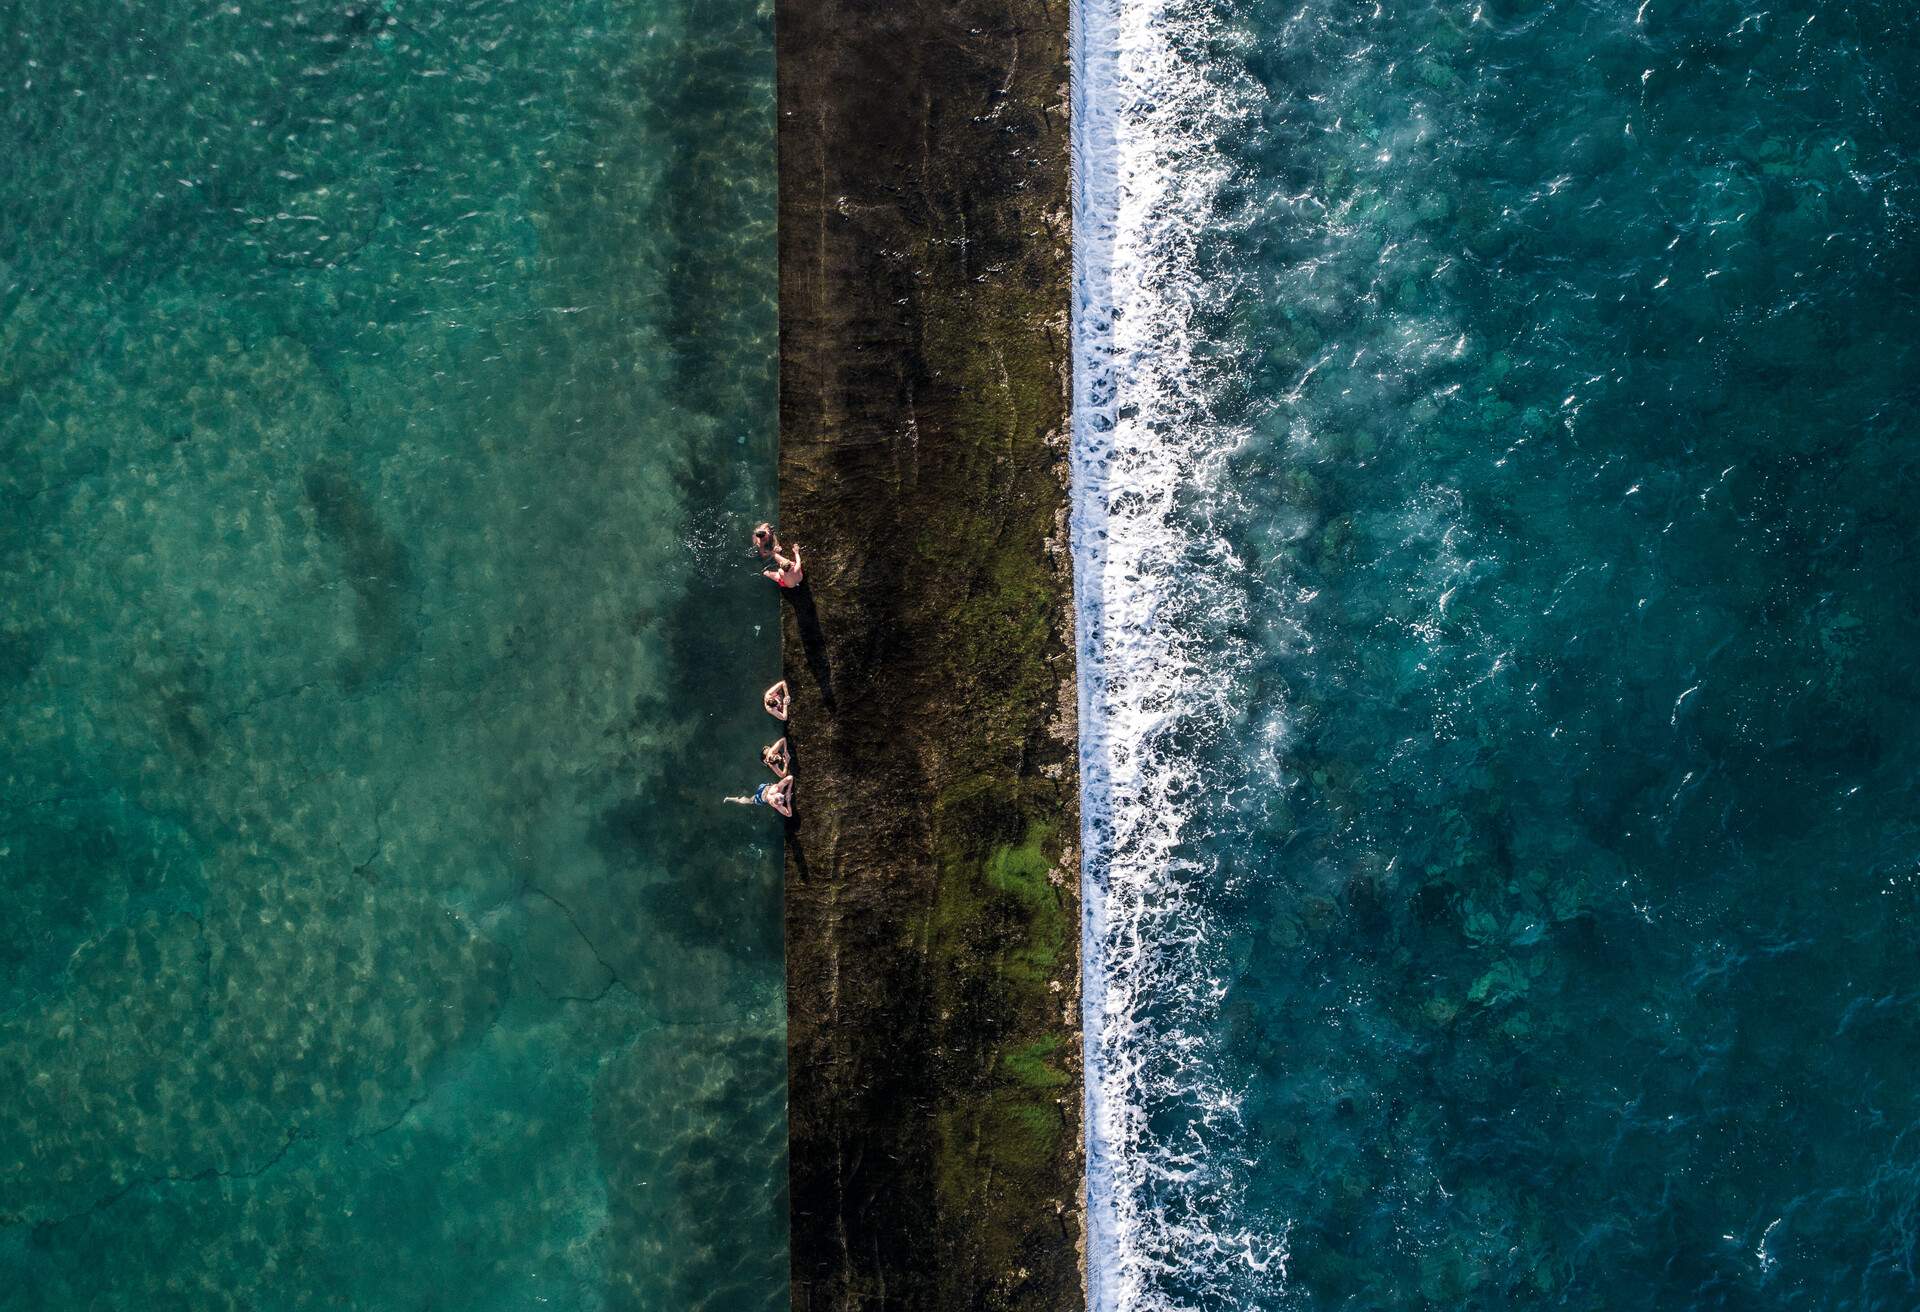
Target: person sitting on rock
x=778 y=700
x=786 y=573
x=778 y=795
x=776 y=758
x=765 y=541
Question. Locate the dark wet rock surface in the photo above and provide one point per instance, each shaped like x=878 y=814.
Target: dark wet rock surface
x=932 y=898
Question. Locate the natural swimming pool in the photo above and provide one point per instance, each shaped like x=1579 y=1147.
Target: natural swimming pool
x=384 y=396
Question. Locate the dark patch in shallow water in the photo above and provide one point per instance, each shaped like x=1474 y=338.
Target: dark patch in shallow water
x=373 y=562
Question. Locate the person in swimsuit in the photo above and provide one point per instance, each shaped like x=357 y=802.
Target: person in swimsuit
x=765 y=541
x=778 y=795
x=786 y=573
x=777 y=700
x=777 y=759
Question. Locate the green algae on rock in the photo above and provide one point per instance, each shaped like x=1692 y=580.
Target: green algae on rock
x=932 y=883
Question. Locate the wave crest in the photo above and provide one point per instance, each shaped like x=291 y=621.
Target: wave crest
x=1153 y=582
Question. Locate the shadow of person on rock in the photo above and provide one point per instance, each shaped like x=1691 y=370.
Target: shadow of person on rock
x=813 y=639
x=798 y=853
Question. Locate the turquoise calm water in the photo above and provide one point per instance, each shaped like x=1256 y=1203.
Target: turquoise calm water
x=1497 y=543
x=385 y=393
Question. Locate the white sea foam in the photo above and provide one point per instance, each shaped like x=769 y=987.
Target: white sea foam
x=1156 y=589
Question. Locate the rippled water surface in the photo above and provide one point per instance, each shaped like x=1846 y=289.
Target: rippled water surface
x=1497 y=536
x=384 y=390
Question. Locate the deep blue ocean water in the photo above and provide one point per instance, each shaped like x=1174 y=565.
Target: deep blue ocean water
x=386 y=390
x=1499 y=596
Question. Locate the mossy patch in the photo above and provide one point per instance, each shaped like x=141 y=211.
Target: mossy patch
x=1021 y=869
x=1001 y=911
x=1001 y=936
x=1033 y=1065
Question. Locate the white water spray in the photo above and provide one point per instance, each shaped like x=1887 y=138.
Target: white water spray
x=1145 y=176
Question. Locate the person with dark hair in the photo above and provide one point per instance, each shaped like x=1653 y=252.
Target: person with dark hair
x=786 y=571
x=777 y=759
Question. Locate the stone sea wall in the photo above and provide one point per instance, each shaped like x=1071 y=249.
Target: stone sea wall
x=932 y=878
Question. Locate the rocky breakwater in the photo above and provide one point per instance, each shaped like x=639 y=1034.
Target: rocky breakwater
x=932 y=876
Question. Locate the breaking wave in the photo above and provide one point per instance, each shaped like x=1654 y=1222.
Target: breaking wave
x=1160 y=601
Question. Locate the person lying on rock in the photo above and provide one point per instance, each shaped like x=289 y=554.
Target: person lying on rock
x=778 y=795
x=765 y=541
x=776 y=758
x=787 y=573
x=777 y=700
